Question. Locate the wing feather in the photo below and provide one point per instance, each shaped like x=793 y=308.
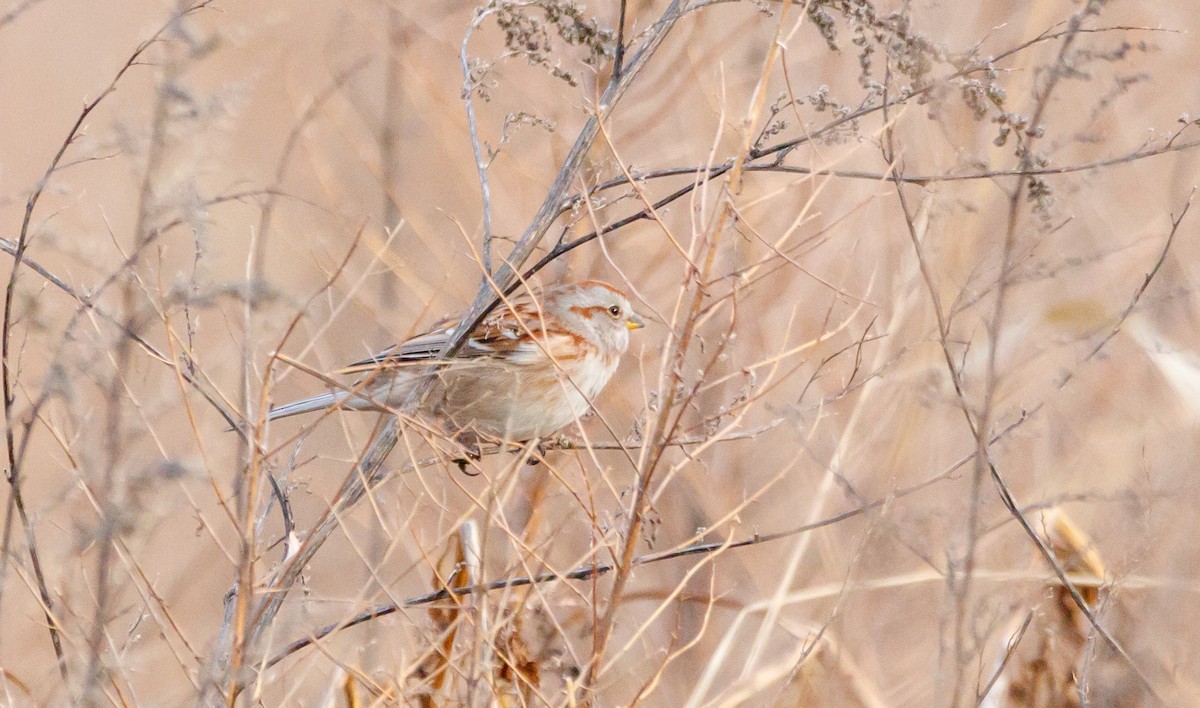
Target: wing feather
x=502 y=334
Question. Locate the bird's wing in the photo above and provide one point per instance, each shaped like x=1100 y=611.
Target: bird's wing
x=523 y=334
x=501 y=335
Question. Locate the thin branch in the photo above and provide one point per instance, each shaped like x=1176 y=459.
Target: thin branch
x=666 y=423
x=984 y=463
x=1013 y=642
x=589 y=572
x=368 y=471
x=1057 y=72
x=7 y=374
x=481 y=164
x=87 y=302
x=246 y=484
x=505 y=279
x=16 y=11
x=712 y=171
x=619 y=54
x=595 y=570
x=1137 y=295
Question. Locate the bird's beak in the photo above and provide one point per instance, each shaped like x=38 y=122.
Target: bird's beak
x=634 y=322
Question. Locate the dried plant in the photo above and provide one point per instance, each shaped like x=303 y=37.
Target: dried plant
x=1047 y=645
x=920 y=285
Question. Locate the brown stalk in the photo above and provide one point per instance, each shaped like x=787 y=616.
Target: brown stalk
x=980 y=422
x=7 y=373
x=664 y=425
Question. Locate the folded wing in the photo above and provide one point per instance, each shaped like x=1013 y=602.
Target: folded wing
x=502 y=335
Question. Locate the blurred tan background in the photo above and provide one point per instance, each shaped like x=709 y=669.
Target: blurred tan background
x=1116 y=446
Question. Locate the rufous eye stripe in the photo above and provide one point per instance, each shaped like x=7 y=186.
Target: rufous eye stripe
x=587 y=312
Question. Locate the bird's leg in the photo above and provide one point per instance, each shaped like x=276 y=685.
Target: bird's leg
x=471 y=452
x=472 y=456
x=538 y=454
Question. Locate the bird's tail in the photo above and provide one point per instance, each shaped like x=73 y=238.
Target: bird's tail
x=312 y=403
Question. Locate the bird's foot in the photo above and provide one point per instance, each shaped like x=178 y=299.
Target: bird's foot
x=538 y=455
x=471 y=454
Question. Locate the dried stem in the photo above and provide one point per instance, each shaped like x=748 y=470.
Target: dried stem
x=7 y=365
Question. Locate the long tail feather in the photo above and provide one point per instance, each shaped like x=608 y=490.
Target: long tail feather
x=307 y=405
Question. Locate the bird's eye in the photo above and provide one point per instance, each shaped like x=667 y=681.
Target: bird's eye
x=615 y=310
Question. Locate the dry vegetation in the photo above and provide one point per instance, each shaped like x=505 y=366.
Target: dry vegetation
x=914 y=422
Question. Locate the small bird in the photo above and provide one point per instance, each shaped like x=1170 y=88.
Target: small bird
x=530 y=368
